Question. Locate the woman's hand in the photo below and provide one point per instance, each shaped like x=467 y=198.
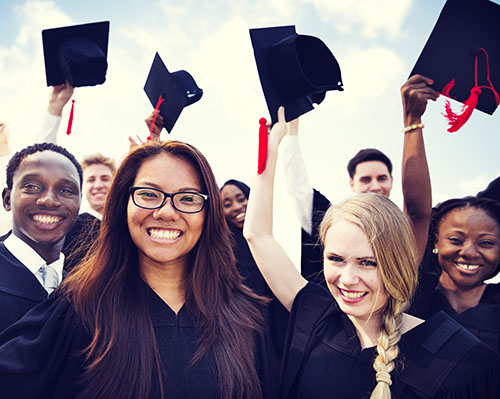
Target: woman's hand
x=415 y=94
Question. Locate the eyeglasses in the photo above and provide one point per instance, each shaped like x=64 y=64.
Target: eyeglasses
x=182 y=201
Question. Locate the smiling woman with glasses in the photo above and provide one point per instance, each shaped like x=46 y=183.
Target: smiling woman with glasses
x=158 y=309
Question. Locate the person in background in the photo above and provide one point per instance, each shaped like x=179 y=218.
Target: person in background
x=463 y=251
x=369 y=170
x=353 y=338
x=43 y=193
x=158 y=309
x=98 y=171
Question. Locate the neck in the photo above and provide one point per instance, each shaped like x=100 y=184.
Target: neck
x=367 y=330
x=48 y=252
x=460 y=298
x=167 y=281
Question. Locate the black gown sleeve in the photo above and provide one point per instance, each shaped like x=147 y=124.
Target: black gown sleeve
x=311 y=251
x=309 y=307
x=40 y=354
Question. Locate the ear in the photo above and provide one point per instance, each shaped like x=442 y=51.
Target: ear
x=6 y=199
x=351 y=183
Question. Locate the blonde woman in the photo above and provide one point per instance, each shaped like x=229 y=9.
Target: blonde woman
x=353 y=340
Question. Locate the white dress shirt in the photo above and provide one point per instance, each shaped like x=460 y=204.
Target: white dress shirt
x=30 y=258
x=297 y=181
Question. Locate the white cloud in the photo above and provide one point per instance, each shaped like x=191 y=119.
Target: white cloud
x=372 y=18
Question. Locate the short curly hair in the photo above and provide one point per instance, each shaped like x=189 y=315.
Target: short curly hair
x=18 y=157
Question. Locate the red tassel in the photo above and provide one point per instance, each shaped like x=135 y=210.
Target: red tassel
x=160 y=100
x=70 y=120
x=447 y=88
x=456 y=121
x=261 y=163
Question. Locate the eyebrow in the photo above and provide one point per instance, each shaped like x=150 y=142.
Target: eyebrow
x=154 y=185
x=358 y=258
x=40 y=176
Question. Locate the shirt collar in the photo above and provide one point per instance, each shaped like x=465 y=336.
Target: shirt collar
x=93 y=212
x=29 y=257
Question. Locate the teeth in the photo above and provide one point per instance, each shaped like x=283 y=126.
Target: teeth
x=467 y=267
x=164 y=234
x=240 y=216
x=46 y=219
x=352 y=295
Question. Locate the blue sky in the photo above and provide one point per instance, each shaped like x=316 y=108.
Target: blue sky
x=376 y=43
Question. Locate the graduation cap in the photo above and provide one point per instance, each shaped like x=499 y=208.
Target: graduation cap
x=462 y=56
x=77 y=54
x=295 y=70
x=170 y=91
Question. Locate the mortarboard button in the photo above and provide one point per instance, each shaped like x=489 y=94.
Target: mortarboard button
x=176 y=89
x=295 y=70
x=462 y=55
x=76 y=53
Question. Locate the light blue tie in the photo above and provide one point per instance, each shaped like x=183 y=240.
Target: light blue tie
x=49 y=277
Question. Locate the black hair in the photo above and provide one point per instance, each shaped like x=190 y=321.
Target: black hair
x=365 y=155
x=18 y=157
x=489 y=206
x=242 y=186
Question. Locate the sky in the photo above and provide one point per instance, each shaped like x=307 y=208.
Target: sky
x=376 y=43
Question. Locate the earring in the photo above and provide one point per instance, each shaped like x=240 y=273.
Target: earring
x=435 y=251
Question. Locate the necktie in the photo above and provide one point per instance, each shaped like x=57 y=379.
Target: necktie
x=49 y=277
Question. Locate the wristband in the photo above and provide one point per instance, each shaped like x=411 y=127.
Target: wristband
x=416 y=126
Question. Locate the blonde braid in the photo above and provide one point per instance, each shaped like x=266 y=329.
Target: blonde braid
x=387 y=348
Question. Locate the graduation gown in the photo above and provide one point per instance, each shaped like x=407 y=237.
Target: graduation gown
x=438 y=358
x=276 y=316
x=40 y=356
x=19 y=289
x=311 y=251
x=482 y=320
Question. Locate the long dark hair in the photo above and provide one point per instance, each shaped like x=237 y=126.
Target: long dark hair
x=490 y=206
x=123 y=358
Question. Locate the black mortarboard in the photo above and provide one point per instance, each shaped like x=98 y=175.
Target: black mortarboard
x=464 y=28
x=77 y=54
x=295 y=70
x=178 y=90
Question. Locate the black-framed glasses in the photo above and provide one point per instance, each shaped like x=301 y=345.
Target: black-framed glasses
x=182 y=201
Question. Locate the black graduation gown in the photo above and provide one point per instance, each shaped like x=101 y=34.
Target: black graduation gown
x=311 y=251
x=482 y=320
x=79 y=239
x=19 y=289
x=276 y=316
x=438 y=358
x=40 y=355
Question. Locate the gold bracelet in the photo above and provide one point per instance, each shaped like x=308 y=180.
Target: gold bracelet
x=416 y=126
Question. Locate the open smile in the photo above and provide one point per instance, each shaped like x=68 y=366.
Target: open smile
x=47 y=222
x=466 y=266
x=352 y=296
x=164 y=234
x=240 y=216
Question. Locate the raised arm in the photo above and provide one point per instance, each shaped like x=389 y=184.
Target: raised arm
x=416 y=182
x=297 y=181
x=58 y=97
x=275 y=265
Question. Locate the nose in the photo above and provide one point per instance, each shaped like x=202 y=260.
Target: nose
x=167 y=211
x=349 y=275
x=468 y=250
x=375 y=186
x=48 y=199
x=98 y=183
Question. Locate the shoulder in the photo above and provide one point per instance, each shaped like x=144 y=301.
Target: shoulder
x=36 y=351
x=440 y=349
